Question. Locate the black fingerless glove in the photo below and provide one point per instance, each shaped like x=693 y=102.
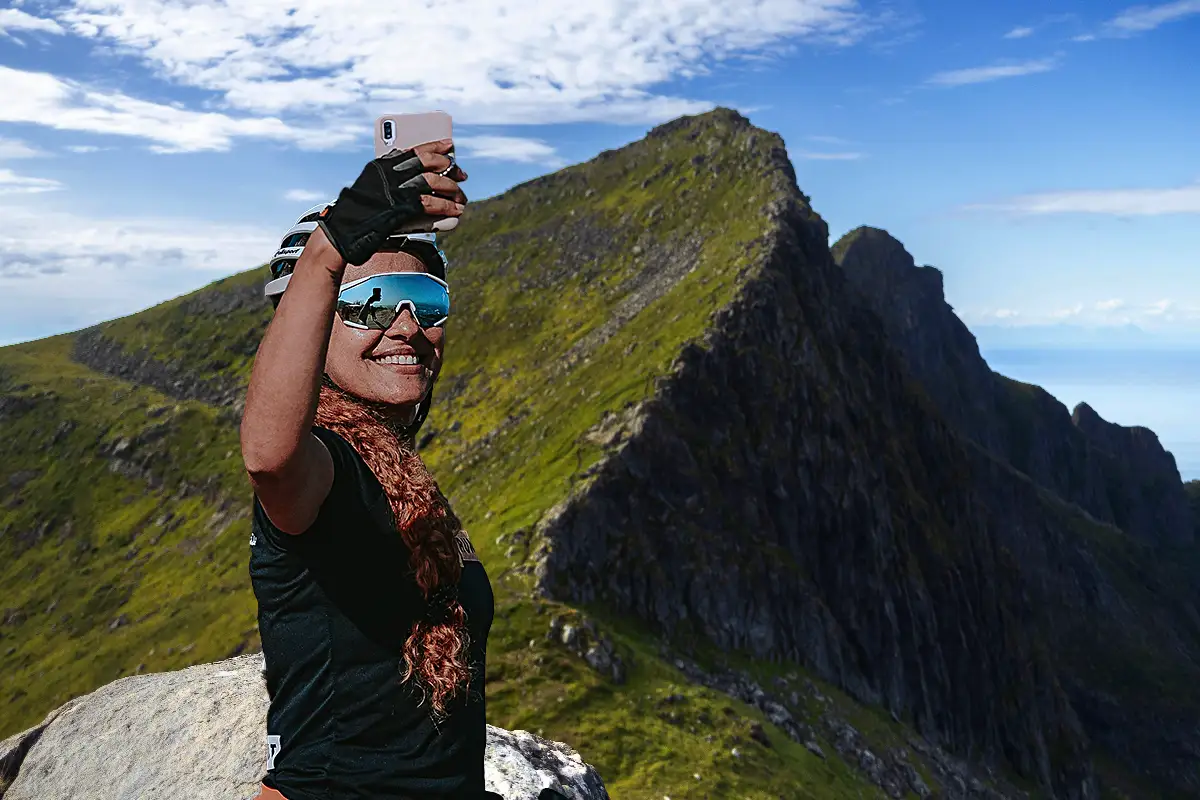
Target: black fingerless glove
x=386 y=195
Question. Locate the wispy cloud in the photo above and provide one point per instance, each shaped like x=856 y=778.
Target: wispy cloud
x=12 y=183
x=15 y=148
x=109 y=266
x=596 y=61
x=14 y=19
x=85 y=148
x=828 y=139
x=995 y=72
x=1161 y=308
x=510 y=148
x=1102 y=313
x=302 y=196
x=1142 y=18
x=1019 y=33
x=44 y=99
x=1113 y=202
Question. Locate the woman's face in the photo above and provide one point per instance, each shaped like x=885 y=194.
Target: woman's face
x=356 y=358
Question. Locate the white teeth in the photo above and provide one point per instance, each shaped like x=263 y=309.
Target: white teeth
x=409 y=360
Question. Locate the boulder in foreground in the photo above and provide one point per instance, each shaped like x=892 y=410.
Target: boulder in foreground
x=200 y=733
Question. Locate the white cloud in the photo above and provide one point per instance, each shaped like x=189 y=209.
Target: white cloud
x=828 y=139
x=830 y=156
x=85 y=148
x=1004 y=313
x=1019 y=33
x=963 y=77
x=44 y=99
x=12 y=183
x=303 y=196
x=15 y=148
x=1115 y=202
x=14 y=19
x=509 y=148
x=1140 y=19
x=1065 y=313
x=35 y=238
x=514 y=62
x=100 y=268
x=1110 y=305
x=1161 y=308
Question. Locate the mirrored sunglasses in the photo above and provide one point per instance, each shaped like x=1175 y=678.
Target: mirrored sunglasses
x=374 y=302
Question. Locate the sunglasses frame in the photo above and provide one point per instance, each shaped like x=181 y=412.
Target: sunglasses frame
x=412 y=307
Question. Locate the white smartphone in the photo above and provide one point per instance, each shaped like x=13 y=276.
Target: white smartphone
x=402 y=131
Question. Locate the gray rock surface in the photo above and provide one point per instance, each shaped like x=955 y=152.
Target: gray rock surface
x=200 y=733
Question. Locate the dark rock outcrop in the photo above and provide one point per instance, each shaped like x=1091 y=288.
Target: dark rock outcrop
x=1119 y=475
x=792 y=491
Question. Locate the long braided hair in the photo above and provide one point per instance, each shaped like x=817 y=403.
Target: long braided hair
x=437 y=650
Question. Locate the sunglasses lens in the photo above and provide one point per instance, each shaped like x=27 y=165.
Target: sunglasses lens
x=376 y=302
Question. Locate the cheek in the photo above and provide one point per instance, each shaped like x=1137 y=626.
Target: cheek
x=344 y=347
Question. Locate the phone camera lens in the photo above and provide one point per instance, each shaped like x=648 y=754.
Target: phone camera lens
x=387 y=130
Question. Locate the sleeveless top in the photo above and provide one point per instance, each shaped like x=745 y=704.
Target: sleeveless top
x=335 y=606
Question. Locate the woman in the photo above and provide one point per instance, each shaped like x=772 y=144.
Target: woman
x=373 y=609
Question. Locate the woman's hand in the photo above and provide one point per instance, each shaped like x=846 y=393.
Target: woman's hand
x=393 y=191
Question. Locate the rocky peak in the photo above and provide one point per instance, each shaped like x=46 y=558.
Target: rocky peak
x=1119 y=475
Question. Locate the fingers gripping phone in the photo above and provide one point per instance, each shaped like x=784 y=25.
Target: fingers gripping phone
x=402 y=131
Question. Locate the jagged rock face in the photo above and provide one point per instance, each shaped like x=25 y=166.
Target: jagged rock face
x=781 y=495
x=1142 y=479
x=791 y=492
x=200 y=733
x=1119 y=475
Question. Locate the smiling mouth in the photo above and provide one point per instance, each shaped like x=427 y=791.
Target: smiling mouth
x=405 y=364
x=403 y=360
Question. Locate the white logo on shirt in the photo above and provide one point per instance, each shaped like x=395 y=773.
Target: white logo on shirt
x=273 y=747
x=253 y=538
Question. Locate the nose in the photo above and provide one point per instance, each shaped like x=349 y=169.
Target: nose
x=404 y=325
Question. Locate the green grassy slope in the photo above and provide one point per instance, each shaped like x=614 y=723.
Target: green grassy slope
x=123 y=538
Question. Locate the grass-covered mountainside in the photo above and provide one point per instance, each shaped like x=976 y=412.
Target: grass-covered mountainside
x=694 y=465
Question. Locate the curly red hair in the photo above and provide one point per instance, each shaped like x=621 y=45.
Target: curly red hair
x=437 y=650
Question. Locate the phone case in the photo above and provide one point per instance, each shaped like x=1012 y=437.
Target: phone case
x=402 y=131
x=410 y=130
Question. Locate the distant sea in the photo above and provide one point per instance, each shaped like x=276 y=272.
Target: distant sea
x=1156 y=388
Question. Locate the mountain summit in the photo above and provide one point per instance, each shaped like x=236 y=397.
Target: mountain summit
x=760 y=519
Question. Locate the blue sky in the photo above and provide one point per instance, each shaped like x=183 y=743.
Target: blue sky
x=1045 y=155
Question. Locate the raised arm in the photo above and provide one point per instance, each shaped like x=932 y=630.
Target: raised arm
x=289 y=467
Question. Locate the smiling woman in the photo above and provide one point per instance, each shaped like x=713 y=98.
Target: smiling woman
x=374 y=610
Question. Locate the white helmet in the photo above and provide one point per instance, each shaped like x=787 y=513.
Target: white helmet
x=292 y=245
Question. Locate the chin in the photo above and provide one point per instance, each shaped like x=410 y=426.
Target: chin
x=401 y=395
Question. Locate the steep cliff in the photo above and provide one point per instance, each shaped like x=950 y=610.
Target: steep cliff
x=1119 y=475
x=793 y=491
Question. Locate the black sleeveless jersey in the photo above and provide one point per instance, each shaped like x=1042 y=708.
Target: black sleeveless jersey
x=335 y=606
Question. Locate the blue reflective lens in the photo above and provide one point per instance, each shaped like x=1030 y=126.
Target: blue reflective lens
x=376 y=301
